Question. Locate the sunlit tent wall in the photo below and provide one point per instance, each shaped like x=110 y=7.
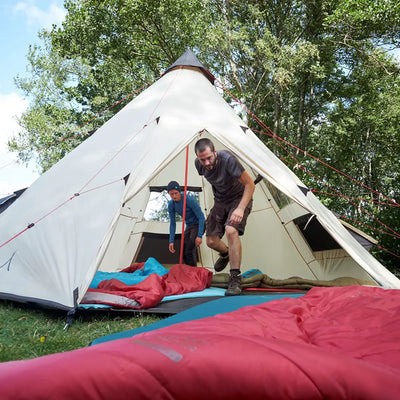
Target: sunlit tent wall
x=87 y=212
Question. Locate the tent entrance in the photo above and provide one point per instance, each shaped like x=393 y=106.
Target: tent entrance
x=156 y=245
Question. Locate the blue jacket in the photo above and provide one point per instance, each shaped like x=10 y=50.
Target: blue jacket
x=193 y=215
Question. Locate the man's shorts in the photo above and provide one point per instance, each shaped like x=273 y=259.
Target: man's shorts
x=219 y=217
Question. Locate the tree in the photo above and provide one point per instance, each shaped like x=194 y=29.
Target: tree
x=315 y=72
x=364 y=122
x=102 y=52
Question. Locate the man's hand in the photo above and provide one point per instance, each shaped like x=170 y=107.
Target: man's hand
x=236 y=216
x=198 y=241
x=171 y=248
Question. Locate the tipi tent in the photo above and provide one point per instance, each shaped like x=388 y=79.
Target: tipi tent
x=87 y=212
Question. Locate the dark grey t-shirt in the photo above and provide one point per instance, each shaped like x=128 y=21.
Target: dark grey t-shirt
x=224 y=177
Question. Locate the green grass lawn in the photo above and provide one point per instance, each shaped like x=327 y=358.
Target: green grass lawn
x=28 y=332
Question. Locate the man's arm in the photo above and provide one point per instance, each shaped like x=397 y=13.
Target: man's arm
x=172 y=227
x=237 y=215
x=195 y=207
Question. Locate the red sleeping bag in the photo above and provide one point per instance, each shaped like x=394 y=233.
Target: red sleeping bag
x=180 y=279
x=332 y=343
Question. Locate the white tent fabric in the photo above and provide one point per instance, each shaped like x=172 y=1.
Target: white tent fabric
x=88 y=209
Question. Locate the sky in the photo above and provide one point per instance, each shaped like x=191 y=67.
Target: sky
x=20 y=22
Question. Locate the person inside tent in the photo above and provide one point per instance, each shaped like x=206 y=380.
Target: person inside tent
x=233 y=190
x=194 y=222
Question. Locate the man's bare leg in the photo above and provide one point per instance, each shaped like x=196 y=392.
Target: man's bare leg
x=215 y=243
x=235 y=257
x=235 y=247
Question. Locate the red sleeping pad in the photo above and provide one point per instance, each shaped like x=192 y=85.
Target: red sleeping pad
x=332 y=343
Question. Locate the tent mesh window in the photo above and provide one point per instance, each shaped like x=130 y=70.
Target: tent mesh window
x=315 y=234
x=157 y=206
x=280 y=198
x=319 y=239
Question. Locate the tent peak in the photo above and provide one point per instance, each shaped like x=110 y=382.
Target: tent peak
x=188 y=59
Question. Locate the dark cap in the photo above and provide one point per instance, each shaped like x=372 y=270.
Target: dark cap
x=173 y=185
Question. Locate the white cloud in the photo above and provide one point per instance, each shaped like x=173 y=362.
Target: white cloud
x=13 y=176
x=11 y=107
x=35 y=14
x=44 y=18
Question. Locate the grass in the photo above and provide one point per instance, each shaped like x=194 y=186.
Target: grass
x=28 y=332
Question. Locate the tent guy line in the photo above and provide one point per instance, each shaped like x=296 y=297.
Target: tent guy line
x=368 y=226
x=395 y=234
x=133 y=137
x=122 y=148
x=274 y=136
x=392 y=204
x=32 y=224
x=81 y=191
x=69 y=134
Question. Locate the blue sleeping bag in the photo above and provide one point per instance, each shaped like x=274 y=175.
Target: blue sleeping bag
x=151 y=266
